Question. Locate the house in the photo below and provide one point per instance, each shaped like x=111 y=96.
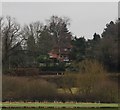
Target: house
x=61 y=53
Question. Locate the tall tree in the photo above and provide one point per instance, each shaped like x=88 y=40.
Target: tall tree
x=96 y=37
x=92 y=49
x=11 y=38
x=31 y=46
x=45 y=41
x=79 y=49
x=108 y=47
x=58 y=26
x=32 y=33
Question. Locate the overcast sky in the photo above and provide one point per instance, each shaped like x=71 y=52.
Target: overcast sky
x=86 y=17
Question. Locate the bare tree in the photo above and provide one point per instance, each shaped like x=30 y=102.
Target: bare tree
x=32 y=30
x=11 y=38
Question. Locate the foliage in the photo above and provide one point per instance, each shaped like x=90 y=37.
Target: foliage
x=26 y=44
x=47 y=64
x=68 y=82
x=78 y=52
x=93 y=82
x=45 y=41
x=16 y=88
x=58 y=27
x=106 y=50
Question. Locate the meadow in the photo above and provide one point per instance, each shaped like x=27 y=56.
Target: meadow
x=60 y=106
x=62 y=109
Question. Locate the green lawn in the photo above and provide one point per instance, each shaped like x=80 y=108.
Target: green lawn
x=62 y=109
x=59 y=105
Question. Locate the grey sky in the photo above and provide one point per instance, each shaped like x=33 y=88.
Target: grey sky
x=86 y=17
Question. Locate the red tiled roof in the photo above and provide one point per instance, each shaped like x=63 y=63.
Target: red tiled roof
x=53 y=55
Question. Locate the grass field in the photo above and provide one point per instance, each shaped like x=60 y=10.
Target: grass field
x=61 y=109
x=59 y=105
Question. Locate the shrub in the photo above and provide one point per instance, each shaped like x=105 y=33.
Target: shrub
x=106 y=91
x=28 y=89
x=94 y=83
x=23 y=72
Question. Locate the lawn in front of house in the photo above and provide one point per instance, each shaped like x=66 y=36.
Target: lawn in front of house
x=59 y=105
x=60 y=109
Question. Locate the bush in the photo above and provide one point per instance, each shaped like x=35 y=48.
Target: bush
x=107 y=91
x=94 y=83
x=27 y=89
x=23 y=72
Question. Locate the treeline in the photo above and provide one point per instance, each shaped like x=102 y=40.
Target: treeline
x=28 y=46
x=104 y=47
